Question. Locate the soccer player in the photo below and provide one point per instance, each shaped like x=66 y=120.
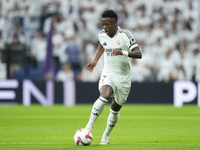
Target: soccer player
x=119 y=47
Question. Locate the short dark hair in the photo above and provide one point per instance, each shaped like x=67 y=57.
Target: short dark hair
x=109 y=14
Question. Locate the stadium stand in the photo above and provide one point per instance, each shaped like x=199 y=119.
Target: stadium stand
x=168 y=32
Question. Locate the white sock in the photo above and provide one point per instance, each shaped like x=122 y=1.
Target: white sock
x=97 y=109
x=111 y=122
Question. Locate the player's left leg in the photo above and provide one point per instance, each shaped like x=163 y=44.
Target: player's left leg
x=111 y=122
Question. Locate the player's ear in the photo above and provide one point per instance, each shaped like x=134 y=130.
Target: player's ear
x=115 y=23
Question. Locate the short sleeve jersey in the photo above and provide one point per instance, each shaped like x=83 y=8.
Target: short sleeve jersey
x=119 y=67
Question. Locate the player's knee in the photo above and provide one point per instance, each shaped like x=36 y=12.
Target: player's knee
x=105 y=95
x=115 y=106
x=106 y=92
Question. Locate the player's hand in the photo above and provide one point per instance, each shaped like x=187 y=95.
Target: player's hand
x=90 y=66
x=117 y=52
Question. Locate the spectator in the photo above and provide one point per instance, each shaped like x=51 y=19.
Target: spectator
x=196 y=54
x=38 y=48
x=16 y=33
x=139 y=74
x=2 y=41
x=166 y=68
x=57 y=40
x=66 y=73
x=2 y=68
x=73 y=52
x=162 y=26
x=30 y=24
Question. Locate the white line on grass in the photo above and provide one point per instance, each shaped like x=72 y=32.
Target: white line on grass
x=152 y=144
x=26 y=143
x=55 y=143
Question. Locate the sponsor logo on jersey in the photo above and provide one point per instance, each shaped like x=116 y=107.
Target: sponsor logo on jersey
x=104 y=44
x=109 y=51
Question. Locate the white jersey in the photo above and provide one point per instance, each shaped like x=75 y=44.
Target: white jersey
x=119 y=67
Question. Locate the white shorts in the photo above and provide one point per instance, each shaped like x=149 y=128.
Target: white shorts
x=120 y=90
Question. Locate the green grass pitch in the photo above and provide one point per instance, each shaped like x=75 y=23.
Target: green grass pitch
x=140 y=127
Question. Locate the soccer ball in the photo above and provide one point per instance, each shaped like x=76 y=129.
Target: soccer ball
x=83 y=137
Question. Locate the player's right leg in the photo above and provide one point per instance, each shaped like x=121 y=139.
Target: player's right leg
x=97 y=109
x=98 y=106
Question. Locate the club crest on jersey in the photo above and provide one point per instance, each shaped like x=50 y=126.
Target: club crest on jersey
x=118 y=42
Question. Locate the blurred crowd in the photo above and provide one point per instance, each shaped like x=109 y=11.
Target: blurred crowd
x=167 y=31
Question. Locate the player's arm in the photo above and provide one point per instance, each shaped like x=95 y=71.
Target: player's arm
x=133 y=49
x=134 y=53
x=90 y=66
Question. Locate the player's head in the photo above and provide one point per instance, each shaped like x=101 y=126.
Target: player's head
x=109 y=22
x=110 y=14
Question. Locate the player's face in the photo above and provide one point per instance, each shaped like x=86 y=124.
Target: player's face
x=109 y=26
